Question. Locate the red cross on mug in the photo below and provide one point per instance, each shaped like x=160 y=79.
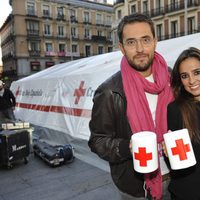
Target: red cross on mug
x=142 y=156
x=181 y=149
x=145 y=151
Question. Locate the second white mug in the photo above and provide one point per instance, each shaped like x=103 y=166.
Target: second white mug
x=179 y=149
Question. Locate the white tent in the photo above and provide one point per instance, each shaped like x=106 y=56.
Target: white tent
x=60 y=98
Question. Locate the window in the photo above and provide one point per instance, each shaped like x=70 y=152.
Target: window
x=109 y=49
x=61 y=47
x=73 y=32
x=87 y=50
x=145 y=6
x=133 y=9
x=119 y=14
x=73 y=15
x=158 y=3
x=87 y=33
x=86 y=17
x=46 y=11
x=47 y=29
x=99 y=33
x=34 y=46
x=98 y=20
x=100 y=50
x=110 y=36
x=108 y=20
x=48 y=47
x=30 y=8
x=159 y=31
x=32 y=28
x=60 y=12
x=174 y=29
x=191 y=25
x=174 y=4
x=60 y=30
x=191 y=2
x=74 y=48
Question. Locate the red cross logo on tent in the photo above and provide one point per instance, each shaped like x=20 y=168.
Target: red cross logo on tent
x=17 y=92
x=79 y=92
x=181 y=149
x=142 y=156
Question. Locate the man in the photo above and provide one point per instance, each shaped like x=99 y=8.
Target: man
x=133 y=100
x=7 y=103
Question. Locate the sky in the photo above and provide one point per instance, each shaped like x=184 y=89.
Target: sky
x=5 y=10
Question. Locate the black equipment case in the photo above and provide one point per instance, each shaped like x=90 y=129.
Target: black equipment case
x=14 y=146
x=53 y=155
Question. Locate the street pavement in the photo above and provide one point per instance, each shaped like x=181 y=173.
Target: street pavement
x=38 y=181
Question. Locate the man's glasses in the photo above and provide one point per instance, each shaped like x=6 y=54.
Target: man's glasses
x=133 y=43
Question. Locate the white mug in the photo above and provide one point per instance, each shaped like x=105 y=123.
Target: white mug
x=145 y=152
x=179 y=149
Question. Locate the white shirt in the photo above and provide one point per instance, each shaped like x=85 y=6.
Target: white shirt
x=152 y=100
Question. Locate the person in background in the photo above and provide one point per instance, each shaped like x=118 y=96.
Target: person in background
x=184 y=112
x=132 y=100
x=7 y=103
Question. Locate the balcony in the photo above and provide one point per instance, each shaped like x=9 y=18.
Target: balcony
x=157 y=12
x=7 y=56
x=46 y=14
x=61 y=54
x=175 y=35
x=180 y=6
x=87 y=37
x=34 y=53
x=50 y=53
x=75 y=37
x=99 y=23
x=61 y=17
x=87 y=22
x=32 y=32
x=31 y=12
x=97 y=38
x=173 y=7
x=73 y=19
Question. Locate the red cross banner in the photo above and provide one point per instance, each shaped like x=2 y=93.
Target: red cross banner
x=144 y=148
x=179 y=149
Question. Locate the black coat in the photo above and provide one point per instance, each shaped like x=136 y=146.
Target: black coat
x=111 y=134
x=7 y=100
x=185 y=183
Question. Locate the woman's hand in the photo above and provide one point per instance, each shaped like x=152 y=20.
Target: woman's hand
x=130 y=147
x=164 y=146
x=164 y=149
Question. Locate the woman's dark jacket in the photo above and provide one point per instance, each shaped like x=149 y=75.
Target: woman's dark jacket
x=185 y=184
x=7 y=100
x=111 y=134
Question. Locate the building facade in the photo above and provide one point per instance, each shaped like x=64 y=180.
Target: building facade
x=172 y=18
x=42 y=33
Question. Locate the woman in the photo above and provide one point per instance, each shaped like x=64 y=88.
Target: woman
x=184 y=112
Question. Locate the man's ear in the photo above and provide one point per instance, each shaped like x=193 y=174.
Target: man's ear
x=121 y=47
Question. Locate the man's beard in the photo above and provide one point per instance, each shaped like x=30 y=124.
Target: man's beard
x=141 y=67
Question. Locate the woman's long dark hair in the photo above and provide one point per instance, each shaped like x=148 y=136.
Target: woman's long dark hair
x=185 y=100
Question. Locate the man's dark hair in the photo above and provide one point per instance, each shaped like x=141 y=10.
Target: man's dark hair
x=133 y=18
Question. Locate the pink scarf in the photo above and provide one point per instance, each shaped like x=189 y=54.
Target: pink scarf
x=138 y=111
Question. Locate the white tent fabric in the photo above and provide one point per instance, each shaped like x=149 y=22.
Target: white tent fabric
x=60 y=98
